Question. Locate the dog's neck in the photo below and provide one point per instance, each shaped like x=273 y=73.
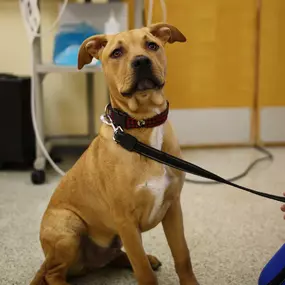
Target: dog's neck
x=140 y=106
x=145 y=109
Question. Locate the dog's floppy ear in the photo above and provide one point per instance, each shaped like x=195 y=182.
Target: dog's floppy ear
x=91 y=47
x=167 y=33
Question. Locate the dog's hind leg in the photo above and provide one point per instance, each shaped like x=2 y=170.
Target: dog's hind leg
x=61 y=238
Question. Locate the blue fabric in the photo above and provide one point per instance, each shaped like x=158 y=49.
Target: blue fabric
x=273 y=267
x=68 y=41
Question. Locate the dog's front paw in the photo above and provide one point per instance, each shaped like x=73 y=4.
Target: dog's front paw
x=154 y=262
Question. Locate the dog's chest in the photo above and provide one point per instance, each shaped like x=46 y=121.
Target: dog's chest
x=157 y=185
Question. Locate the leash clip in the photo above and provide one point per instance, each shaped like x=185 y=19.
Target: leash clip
x=125 y=140
x=106 y=119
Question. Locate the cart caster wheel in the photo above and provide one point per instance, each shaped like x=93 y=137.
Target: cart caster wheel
x=38 y=177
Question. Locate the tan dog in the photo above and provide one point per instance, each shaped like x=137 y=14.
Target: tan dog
x=111 y=195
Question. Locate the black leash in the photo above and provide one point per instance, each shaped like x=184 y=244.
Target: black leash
x=267 y=156
x=131 y=143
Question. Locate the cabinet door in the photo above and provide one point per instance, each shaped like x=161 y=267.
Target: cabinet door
x=272 y=72
x=210 y=80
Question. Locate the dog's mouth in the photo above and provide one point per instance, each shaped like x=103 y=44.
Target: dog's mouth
x=144 y=84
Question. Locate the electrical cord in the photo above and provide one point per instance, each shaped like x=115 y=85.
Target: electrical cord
x=164 y=10
x=37 y=133
x=150 y=10
x=33 y=107
x=149 y=16
x=268 y=156
x=59 y=16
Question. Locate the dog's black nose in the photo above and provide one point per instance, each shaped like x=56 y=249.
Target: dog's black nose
x=141 y=61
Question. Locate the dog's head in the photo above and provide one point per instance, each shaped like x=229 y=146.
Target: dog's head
x=134 y=62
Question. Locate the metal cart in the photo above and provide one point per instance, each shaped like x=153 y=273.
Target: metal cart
x=40 y=70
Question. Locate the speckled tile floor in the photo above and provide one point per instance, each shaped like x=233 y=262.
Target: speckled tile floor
x=231 y=234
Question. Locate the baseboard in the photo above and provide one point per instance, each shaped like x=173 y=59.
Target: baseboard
x=212 y=126
x=272 y=125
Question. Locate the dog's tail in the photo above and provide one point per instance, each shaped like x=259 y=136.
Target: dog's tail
x=39 y=279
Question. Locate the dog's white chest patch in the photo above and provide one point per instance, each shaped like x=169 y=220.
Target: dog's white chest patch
x=156 y=138
x=157 y=185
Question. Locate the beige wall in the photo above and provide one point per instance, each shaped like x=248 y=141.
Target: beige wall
x=216 y=64
x=271 y=99
x=65 y=97
x=272 y=54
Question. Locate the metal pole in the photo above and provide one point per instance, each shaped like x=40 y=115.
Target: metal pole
x=90 y=104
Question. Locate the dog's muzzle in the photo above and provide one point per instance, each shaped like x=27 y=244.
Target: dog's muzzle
x=144 y=78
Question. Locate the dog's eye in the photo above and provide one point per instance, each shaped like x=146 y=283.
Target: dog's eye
x=117 y=53
x=152 y=46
